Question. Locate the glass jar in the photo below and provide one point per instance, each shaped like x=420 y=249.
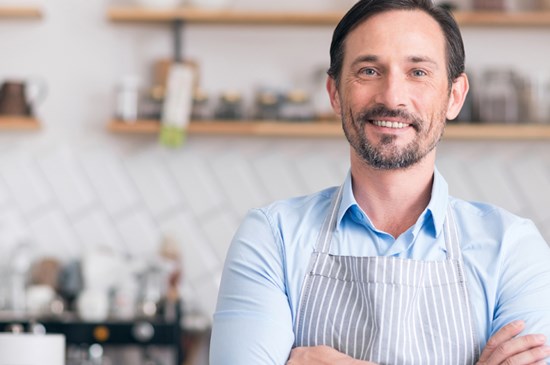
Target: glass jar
x=499 y=97
x=540 y=99
x=268 y=104
x=230 y=106
x=297 y=107
x=489 y=5
x=201 y=110
x=151 y=102
x=127 y=99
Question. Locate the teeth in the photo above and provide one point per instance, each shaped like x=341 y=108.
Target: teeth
x=387 y=124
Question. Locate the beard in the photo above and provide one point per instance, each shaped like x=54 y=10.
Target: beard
x=387 y=155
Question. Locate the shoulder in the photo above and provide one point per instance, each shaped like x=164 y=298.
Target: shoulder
x=300 y=208
x=290 y=221
x=491 y=225
x=474 y=209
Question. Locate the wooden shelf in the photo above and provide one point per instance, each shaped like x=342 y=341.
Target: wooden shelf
x=498 y=131
x=18 y=123
x=194 y=15
x=333 y=129
x=20 y=12
x=503 y=19
x=248 y=128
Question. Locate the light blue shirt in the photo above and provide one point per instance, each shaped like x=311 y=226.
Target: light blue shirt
x=507 y=263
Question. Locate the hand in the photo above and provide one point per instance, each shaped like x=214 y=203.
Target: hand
x=321 y=355
x=505 y=348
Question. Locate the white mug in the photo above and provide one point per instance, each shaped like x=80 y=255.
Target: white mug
x=93 y=305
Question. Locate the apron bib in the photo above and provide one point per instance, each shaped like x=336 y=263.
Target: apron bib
x=387 y=310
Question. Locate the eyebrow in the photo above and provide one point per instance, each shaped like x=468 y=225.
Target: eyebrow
x=422 y=59
x=413 y=59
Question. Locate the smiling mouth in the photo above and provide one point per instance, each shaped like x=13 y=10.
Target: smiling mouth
x=389 y=124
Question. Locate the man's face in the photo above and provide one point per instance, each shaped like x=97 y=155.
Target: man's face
x=394 y=94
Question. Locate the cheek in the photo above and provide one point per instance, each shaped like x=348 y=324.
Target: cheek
x=359 y=98
x=432 y=105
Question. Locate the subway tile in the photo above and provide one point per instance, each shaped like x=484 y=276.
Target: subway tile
x=25 y=184
x=317 y=174
x=156 y=186
x=198 y=256
x=277 y=177
x=106 y=173
x=96 y=229
x=66 y=178
x=206 y=295
x=52 y=235
x=197 y=181
x=493 y=184
x=5 y=197
x=529 y=177
x=219 y=228
x=139 y=233
x=238 y=182
x=13 y=231
x=456 y=175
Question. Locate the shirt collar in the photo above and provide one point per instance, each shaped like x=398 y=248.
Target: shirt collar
x=435 y=212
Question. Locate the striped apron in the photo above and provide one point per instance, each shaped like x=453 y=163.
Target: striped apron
x=385 y=309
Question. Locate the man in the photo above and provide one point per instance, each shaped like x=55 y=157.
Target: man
x=388 y=268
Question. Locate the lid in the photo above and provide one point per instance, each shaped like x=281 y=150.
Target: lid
x=231 y=96
x=267 y=98
x=297 y=96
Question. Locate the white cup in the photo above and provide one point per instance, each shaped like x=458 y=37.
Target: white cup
x=93 y=305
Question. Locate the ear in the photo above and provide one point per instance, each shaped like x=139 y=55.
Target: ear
x=459 y=90
x=334 y=96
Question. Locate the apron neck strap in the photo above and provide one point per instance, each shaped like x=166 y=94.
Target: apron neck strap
x=329 y=224
x=451 y=235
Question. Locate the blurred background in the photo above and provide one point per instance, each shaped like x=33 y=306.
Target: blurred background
x=117 y=237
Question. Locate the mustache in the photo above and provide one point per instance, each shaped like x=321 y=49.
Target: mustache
x=381 y=111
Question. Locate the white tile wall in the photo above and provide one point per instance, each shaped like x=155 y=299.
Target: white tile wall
x=112 y=185
x=68 y=199
x=28 y=188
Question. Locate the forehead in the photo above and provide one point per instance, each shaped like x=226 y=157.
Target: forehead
x=397 y=33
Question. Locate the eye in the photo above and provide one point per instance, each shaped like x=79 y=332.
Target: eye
x=419 y=73
x=368 y=71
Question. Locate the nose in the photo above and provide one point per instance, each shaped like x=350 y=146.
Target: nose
x=392 y=91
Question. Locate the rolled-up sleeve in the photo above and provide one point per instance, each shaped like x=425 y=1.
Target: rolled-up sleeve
x=524 y=280
x=253 y=322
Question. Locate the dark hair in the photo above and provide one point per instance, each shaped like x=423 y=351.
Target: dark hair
x=364 y=9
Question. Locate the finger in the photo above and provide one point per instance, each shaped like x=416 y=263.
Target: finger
x=533 y=356
x=504 y=334
x=523 y=350
x=297 y=351
x=542 y=362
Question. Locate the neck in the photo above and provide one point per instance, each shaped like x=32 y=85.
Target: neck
x=393 y=199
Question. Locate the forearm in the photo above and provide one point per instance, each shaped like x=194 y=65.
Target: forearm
x=322 y=355
x=507 y=346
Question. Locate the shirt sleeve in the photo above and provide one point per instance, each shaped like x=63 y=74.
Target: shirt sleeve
x=252 y=322
x=524 y=280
